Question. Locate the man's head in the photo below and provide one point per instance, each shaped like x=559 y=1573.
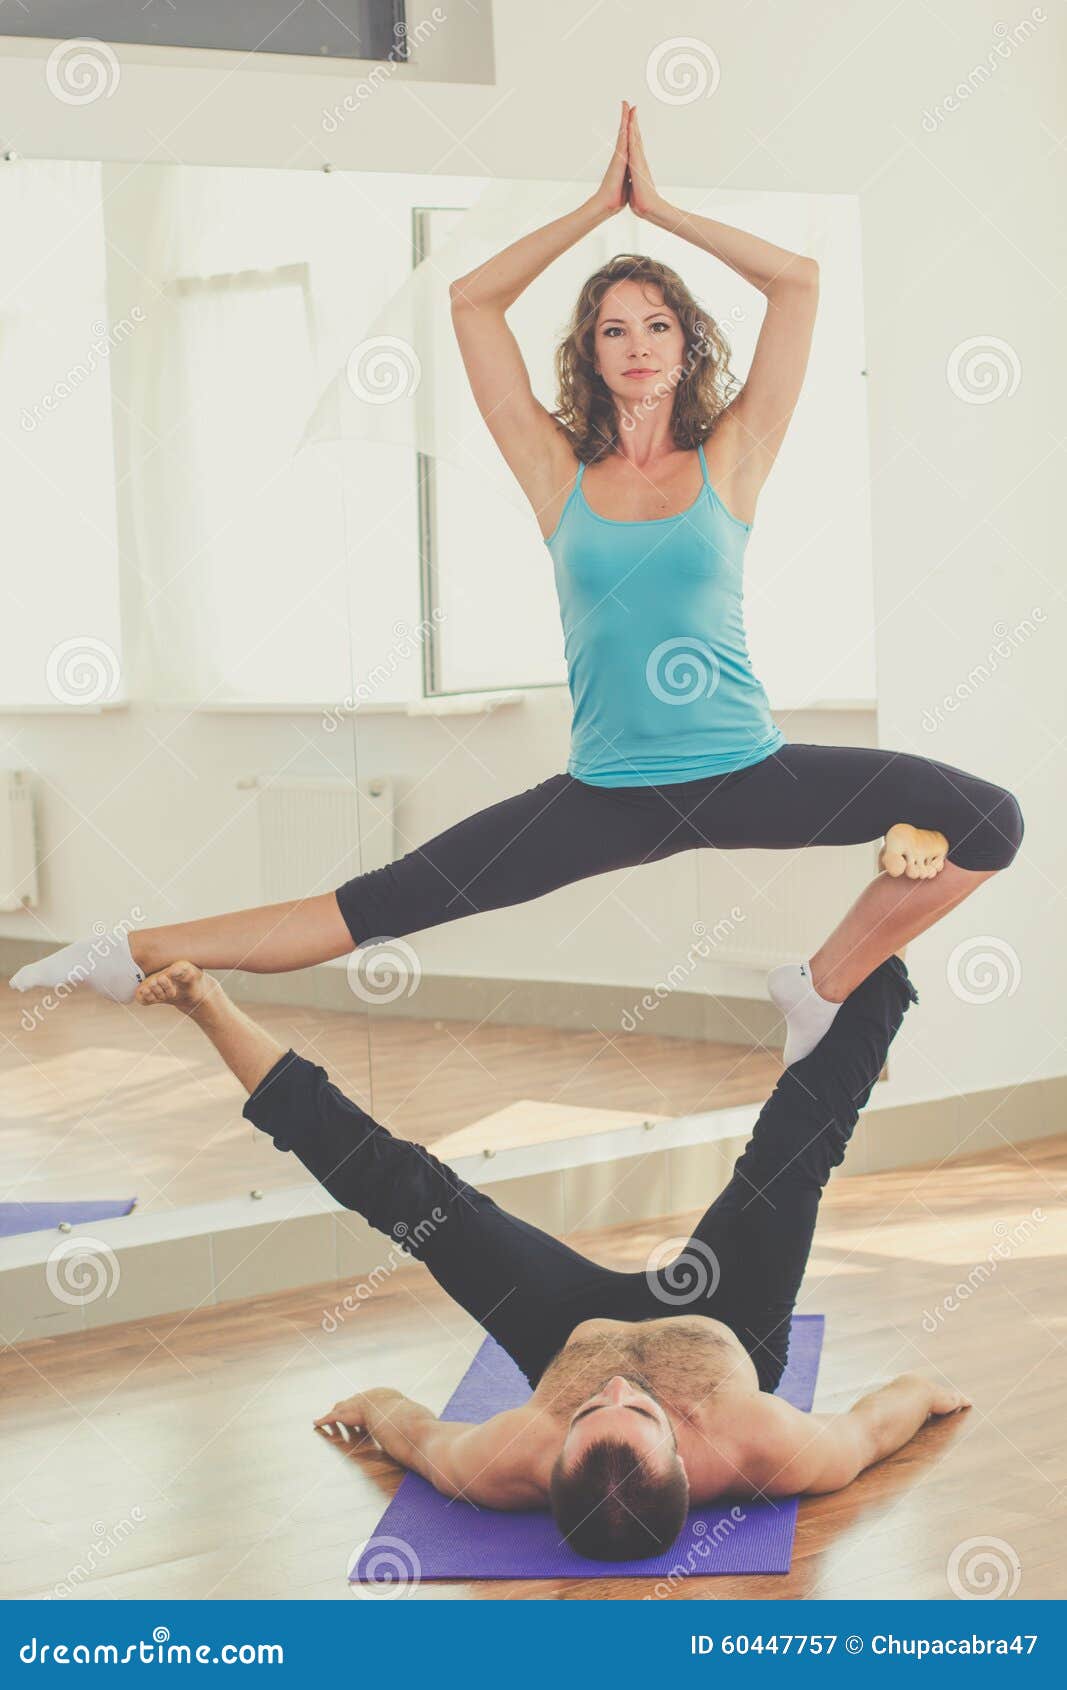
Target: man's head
x=618 y=1489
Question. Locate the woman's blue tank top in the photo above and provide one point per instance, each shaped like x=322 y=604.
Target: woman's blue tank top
x=657 y=662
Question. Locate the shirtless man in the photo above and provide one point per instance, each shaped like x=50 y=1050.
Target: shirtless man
x=652 y=1389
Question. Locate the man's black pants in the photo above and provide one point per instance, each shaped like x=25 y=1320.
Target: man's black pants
x=743 y=1265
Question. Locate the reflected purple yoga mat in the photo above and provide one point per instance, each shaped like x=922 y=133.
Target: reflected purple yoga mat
x=424 y=1534
x=41 y=1217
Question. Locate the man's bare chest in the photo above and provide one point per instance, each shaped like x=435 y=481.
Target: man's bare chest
x=682 y=1362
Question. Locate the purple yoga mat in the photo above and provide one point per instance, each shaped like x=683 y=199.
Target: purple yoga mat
x=42 y=1217
x=424 y=1535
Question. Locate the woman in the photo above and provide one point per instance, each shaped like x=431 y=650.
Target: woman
x=644 y=482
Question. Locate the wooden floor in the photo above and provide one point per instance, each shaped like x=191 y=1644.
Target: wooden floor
x=175 y=1457
x=104 y=1101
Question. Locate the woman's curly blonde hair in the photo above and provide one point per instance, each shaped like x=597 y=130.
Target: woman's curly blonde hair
x=704 y=385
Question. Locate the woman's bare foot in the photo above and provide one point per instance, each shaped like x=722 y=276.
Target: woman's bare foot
x=181 y=984
x=915 y=852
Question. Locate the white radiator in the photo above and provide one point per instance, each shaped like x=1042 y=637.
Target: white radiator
x=18 y=849
x=788 y=900
x=314 y=834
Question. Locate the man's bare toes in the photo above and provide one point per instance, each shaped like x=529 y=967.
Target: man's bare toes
x=915 y=852
x=181 y=983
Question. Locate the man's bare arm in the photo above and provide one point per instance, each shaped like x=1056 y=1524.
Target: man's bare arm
x=482 y=1463
x=806 y=1454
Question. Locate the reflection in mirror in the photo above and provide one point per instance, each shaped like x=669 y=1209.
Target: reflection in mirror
x=283 y=615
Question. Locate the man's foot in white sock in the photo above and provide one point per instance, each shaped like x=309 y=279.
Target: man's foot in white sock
x=807 y=1015
x=104 y=963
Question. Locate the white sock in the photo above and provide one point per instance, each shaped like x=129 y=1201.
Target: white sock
x=104 y=963
x=807 y=1015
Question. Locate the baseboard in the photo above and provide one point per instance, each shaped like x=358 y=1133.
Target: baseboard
x=156 y=1264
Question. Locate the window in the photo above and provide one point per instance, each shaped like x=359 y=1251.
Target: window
x=347 y=29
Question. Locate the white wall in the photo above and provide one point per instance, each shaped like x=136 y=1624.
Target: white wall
x=963 y=238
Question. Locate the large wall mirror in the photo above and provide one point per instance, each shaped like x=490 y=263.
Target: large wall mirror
x=276 y=613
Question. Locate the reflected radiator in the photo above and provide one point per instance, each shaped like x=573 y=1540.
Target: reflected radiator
x=788 y=901
x=18 y=849
x=314 y=834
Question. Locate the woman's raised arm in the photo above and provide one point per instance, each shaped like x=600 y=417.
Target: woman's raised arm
x=751 y=429
x=531 y=441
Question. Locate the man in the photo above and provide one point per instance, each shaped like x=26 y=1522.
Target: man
x=651 y=1390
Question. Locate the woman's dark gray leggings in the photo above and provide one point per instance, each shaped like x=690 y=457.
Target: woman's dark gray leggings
x=563 y=830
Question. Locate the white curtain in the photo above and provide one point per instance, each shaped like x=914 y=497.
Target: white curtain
x=60 y=634
x=240 y=541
